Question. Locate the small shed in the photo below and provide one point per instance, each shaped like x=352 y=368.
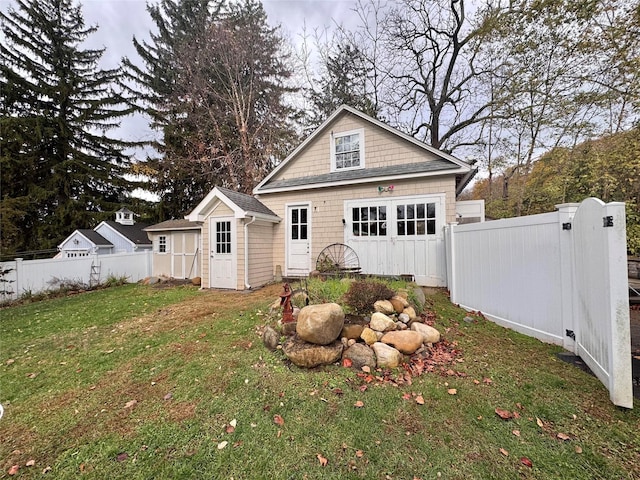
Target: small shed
x=85 y=242
x=176 y=248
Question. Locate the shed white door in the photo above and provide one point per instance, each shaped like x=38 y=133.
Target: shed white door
x=183 y=255
x=298 y=239
x=400 y=236
x=222 y=246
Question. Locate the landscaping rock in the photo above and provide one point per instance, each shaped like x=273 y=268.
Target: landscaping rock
x=386 y=356
x=309 y=355
x=320 y=324
x=401 y=326
x=384 y=306
x=419 y=293
x=369 y=336
x=399 y=303
x=352 y=331
x=429 y=334
x=411 y=313
x=289 y=328
x=407 y=341
x=196 y=281
x=381 y=323
x=404 y=318
x=270 y=338
x=360 y=355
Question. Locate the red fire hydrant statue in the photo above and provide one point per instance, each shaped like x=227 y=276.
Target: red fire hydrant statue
x=285 y=303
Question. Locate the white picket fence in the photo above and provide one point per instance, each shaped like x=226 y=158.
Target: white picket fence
x=35 y=276
x=560 y=277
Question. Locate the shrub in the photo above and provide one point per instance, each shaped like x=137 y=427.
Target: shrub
x=364 y=293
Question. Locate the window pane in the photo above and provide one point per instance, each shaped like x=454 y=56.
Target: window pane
x=364 y=214
x=431 y=227
x=294 y=215
x=355 y=213
x=373 y=213
x=364 y=229
x=410 y=211
x=356 y=229
x=383 y=229
x=303 y=215
x=400 y=212
x=431 y=210
x=411 y=228
x=420 y=210
x=420 y=227
x=294 y=232
x=382 y=213
x=373 y=229
x=400 y=228
x=303 y=232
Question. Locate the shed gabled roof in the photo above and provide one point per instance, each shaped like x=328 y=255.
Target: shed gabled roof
x=133 y=233
x=91 y=236
x=445 y=163
x=178 y=224
x=242 y=205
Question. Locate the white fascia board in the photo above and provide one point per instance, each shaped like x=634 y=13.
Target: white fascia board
x=387 y=178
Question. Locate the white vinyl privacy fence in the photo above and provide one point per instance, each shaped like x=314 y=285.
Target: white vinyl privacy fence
x=560 y=277
x=35 y=276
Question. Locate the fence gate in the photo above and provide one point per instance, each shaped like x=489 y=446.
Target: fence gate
x=601 y=301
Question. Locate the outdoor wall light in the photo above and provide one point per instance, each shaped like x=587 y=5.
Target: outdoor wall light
x=385 y=189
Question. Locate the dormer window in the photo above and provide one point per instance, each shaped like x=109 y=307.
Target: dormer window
x=347 y=150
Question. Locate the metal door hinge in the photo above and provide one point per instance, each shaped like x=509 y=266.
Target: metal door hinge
x=566 y=226
x=607 y=221
x=571 y=334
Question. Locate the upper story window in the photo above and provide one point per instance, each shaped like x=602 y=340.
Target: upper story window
x=347 y=150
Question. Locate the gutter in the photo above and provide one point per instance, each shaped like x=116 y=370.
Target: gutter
x=246 y=252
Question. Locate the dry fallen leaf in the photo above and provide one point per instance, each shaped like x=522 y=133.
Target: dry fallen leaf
x=323 y=461
x=121 y=457
x=14 y=469
x=526 y=461
x=563 y=436
x=452 y=391
x=230 y=429
x=504 y=414
x=278 y=420
x=504 y=452
x=223 y=444
x=477 y=382
x=516 y=433
x=578 y=449
x=346 y=362
x=359 y=453
x=168 y=396
x=46 y=470
x=359 y=404
x=30 y=463
x=406 y=396
x=233 y=423
x=366 y=369
x=420 y=400
x=130 y=404
x=539 y=422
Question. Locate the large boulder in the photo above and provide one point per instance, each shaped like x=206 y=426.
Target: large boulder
x=429 y=334
x=309 y=355
x=381 y=323
x=386 y=356
x=406 y=341
x=320 y=324
x=360 y=356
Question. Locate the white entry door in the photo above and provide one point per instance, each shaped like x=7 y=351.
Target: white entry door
x=298 y=239
x=399 y=236
x=222 y=246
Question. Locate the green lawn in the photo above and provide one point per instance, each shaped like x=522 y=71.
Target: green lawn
x=139 y=382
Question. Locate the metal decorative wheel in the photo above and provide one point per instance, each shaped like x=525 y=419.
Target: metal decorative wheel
x=338 y=258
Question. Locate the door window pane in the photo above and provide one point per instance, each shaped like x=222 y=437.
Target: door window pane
x=223 y=237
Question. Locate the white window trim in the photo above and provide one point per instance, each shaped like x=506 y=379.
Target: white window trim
x=332 y=142
x=167 y=245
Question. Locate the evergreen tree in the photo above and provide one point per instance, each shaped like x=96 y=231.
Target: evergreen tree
x=60 y=170
x=153 y=85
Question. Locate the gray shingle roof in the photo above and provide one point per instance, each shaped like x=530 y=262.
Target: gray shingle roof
x=366 y=173
x=246 y=202
x=95 y=238
x=178 y=224
x=133 y=232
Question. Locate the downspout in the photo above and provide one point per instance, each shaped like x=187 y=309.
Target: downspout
x=246 y=253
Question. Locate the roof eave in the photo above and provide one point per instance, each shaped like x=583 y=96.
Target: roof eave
x=383 y=178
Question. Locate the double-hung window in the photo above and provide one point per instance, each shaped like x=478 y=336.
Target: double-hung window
x=347 y=150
